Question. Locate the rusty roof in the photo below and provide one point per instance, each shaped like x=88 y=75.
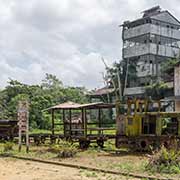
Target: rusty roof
x=102 y=91
x=66 y=105
x=73 y=105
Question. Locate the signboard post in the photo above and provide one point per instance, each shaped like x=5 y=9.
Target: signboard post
x=23 y=123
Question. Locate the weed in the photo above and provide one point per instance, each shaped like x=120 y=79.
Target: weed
x=90 y=174
x=8 y=146
x=64 y=149
x=164 y=161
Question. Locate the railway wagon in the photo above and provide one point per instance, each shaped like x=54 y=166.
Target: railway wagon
x=8 y=129
x=79 y=125
x=145 y=125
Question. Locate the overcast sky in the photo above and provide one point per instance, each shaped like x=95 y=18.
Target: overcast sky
x=66 y=38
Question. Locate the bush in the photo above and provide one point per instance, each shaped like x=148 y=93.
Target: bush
x=165 y=161
x=157 y=90
x=64 y=149
x=8 y=146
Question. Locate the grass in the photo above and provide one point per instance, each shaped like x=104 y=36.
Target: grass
x=94 y=157
x=40 y=131
x=165 y=161
x=44 y=131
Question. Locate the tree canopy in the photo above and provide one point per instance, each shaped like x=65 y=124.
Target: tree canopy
x=50 y=92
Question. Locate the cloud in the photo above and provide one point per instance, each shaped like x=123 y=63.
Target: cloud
x=66 y=38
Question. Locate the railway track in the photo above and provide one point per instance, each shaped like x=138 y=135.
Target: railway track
x=140 y=176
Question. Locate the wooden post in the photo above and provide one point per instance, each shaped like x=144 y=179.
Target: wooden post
x=158 y=126
x=99 y=117
x=20 y=140
x=52 y=122
x=64 y=125
x=23 y=123
x=178 y=126
x=82 y=111
x=70 y=122
x=99 y=120
x=27 y=133
x=85 y=123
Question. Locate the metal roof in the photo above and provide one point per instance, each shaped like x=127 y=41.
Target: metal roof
x=102 y=91
x=66 y=105
x=156 y=15
x=72 y=105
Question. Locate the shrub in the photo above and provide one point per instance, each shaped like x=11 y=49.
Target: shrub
x=64 y=149
x=157 y=90
x=8 y=146
x=165 y=161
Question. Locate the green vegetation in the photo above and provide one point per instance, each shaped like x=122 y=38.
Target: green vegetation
x=50 y=92
x=167 y=68
x=124 y=71
x=165 y=161
x=8 y=146
x=157 y=90
x=64 y=149
x=124 y=161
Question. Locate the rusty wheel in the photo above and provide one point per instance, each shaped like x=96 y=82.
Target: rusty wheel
x=84 y=144
x=100 y=143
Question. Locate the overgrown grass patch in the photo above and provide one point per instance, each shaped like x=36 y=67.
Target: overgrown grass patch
x=64 y=149
x=165 y=161
x=8 y=146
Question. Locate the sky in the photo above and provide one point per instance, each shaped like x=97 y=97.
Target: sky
x=67 y=38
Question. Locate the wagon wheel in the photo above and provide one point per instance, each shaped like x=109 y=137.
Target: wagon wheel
x=43 y=139
x=156 y=145
x=100 y=143
x=11 y=138
x=144 y=145
x=36 y=140
x=83 y=144
x=166 y=144
x=53 y=140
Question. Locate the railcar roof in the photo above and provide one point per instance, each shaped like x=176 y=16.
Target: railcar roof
x=72 y=105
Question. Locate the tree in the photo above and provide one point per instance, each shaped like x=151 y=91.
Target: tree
x=51 y=82
x=125 y=71
x=50 y=92
x=159 y=90
x=167 y=69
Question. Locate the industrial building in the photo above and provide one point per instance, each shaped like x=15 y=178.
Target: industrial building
x=147 y=42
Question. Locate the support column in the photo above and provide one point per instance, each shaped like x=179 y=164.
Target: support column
x=85 y=124
x=99 y=117
x=82 y=114
x=52 y=121
x=158 y=126
x=64 y=124
x=178 y=126
x=70 y=122
x=99 y=120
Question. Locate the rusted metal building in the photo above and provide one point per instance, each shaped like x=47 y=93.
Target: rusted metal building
x=147 y=42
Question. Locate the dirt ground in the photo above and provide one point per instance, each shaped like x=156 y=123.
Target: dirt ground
x=12 y=169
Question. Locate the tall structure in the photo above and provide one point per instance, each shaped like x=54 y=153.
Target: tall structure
x=147 y=42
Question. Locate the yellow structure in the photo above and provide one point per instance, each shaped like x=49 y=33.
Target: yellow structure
x=146 y=123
